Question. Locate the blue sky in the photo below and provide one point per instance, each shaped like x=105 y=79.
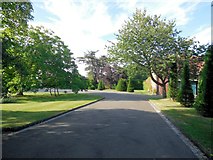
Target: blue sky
x=87 y=24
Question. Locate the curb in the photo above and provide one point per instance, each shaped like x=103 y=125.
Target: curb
x=194 y=147
x=15 y=129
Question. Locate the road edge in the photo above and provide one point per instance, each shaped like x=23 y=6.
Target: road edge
x=197 y=152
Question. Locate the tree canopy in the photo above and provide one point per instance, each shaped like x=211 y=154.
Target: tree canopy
x=153 y=43
x=33 y=57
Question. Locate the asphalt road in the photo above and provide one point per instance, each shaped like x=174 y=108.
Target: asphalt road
x=120 y=126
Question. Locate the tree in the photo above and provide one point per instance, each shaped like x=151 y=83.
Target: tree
x=186 y=97
x=204 y=100
x=101 y=85
x=130 y=87
x=121 y=86
x=152 y=43
x=101 y=69
x=50 y=60
x=92 y=65
x=14 y=18
x=173 y=82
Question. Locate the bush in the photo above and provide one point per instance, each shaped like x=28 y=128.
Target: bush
x=173 y=82
x=121 y=86
x=204 y=100
x=137 y=84
x=130 y=87
x=92 y=87
x=92 y=84
x=186 y=97
x=101 y=85
x=113 y=86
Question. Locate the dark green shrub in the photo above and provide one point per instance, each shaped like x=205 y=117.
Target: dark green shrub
x=204 y=100
x=101 y=85
x=91 y=87
x=186 y=97
x=173 y=82
x=121 y=86
x=92 y=84
x=137 y=84
x=130 y=87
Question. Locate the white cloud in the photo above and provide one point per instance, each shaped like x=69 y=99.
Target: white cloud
x=82 y=24
x=204 y=36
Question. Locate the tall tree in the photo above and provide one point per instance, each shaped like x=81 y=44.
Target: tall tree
x=52 y=63
x=204 y=100
x=150 y=42
x=92 y=64
x=14 y=16
x=186 y=96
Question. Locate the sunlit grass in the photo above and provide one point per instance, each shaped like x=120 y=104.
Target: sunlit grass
x=195 y=126
x=33 y=107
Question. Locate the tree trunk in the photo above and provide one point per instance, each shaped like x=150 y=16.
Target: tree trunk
x=164 y=90
x=50 y=92
x=54 y=92
x=20 y=93
x=57 y=91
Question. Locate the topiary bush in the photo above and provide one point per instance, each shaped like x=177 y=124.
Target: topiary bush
x=121 y=86
x=173 y=82
x=130 y=87
x=186 y=96
x=101 y=85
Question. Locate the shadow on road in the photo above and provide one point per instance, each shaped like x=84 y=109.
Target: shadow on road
x=98 y=133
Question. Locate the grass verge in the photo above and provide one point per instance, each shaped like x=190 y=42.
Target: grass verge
x=35 y=107
x=194 y=126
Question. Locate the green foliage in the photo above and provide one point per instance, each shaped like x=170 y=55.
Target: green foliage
x=130 y=87
x=32 y=57
x=186 y=97
x=137 y=84
x=150 y=42
x=14 y=18
x=204 y=100
x=101 y=85
x=91 y=83
x=121 y=86
x=173 y=82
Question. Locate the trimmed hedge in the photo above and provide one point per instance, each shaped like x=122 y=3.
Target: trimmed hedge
x=130 y=87
x=101 y=85
x=186 y=97
x=121 y=86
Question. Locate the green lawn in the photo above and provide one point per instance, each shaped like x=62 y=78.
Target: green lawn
x=33 y=107
x=196 y=127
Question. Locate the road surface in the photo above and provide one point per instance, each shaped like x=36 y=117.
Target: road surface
x=120 y=126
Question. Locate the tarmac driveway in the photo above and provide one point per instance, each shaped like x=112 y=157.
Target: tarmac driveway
x=120 y=126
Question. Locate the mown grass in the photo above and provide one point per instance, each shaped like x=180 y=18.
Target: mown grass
x=196 y=127
x=33 y=107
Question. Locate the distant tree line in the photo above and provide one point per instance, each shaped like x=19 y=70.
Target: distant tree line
x=103 y=70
